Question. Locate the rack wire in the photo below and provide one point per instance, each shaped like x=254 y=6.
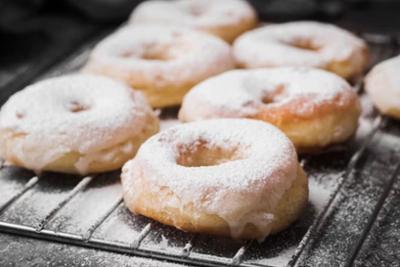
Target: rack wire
x=191 y=252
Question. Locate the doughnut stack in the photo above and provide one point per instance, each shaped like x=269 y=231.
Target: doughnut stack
x=251 y=97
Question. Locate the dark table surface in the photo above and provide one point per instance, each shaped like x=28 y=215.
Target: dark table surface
x=20 y=251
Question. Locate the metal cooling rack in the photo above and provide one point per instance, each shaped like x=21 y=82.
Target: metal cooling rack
x=350 y=184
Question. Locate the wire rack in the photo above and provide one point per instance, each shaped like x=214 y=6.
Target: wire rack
x=349 y=185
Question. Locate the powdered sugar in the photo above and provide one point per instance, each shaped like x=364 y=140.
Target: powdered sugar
x=74 y=113
x=383 y=85
x=281 y=45
x=181 y=56
x=240 y=191
x=319 y=194
x=241 y=93
x=199 y=14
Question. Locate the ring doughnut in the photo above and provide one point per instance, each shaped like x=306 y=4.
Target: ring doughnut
x=226 y=19
x=313 y=107
x=383 y=86
x=214 y=177
x=303 y=44
x=164 y=62
x=74 y=124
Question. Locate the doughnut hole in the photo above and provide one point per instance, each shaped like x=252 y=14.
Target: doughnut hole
x=19 y=115
x=303 y=43
x=201 y=154
x=76 y=107
x=196 y=10
x=149 y=52
x=275 y=95
x=157 y=52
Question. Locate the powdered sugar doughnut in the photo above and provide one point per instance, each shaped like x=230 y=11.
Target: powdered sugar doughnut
x=74 y=124
x=215 y=177
x=383 y=86
x=163 y=62
x=226 y=19
x=299 y=44
x=313 y=107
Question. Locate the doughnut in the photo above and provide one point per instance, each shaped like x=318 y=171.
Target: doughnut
x=382 y=84
x=225 y=19
x=303 y=44
x=315 y=108
x=215 y=177
x=74 y=124
x=164 y=62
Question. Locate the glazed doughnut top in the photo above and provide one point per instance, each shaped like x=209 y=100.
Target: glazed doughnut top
x=383 y=84
x=73 y=113
x=193 y=13
x=241 y=93
x=259 y=165
x=302 y=43
x=164 y=54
